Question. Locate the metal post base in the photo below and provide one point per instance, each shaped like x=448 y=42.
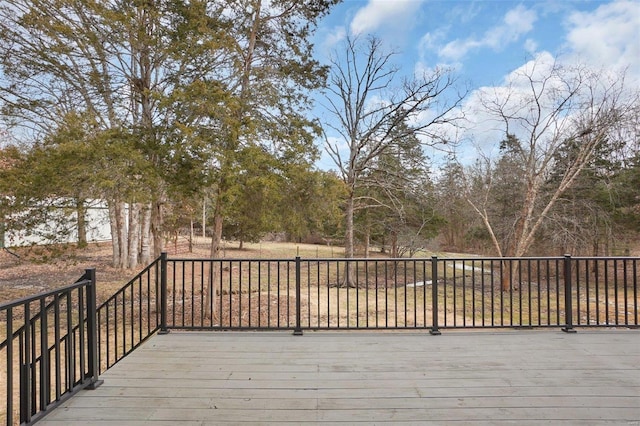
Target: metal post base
x=95 y=385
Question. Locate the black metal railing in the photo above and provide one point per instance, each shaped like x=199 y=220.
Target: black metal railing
x=49 y=347
x=434 y=294
x=129 y=317
x=58 y=342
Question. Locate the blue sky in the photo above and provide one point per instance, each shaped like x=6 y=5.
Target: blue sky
x=485 y=41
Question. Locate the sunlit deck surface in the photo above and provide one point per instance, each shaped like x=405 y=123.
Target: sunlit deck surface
x=502 y=377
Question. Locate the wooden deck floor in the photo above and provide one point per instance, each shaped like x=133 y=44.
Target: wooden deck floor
x=519 y=377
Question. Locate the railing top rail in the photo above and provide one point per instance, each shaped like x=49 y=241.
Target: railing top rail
x=121 y=289
x=392 y=259
x=605 y=257
x=28 y=299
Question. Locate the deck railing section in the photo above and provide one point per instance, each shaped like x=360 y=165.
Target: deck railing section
x=130 y=316
x=58 y=342
x=49 y=347
x=435 y=293
x=605 y=291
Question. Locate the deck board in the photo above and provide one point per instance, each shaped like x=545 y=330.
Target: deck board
x=519 y=377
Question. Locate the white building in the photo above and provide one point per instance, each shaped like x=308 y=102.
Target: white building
x=63 y=226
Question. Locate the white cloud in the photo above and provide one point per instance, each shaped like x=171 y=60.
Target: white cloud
x=456 y=49
x=421 y=68
x=514 y=94
x=520 y=19
x=378 y=13
x=516 y=22
x=607 y=37
x=334 y=37
x=537 y=68
x=465 y=12
x=432 y=40
x=530 y=46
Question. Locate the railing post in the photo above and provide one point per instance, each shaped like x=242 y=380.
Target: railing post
x=163 y=294
x=10 y=365
x=26 y=401
x=92 y=330
x=45 y=376
x=568 y=305
x=434 y=296
x=298 y=329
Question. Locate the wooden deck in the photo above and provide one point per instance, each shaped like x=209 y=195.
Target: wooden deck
x=506 y=377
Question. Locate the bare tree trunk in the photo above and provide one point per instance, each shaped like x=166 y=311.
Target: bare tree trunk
x=216 y=244
x=213 y=279
x=348 y=237
x=144 y=69
x=509 y=269
x=367 y=242
x=204 y=217
x=121 y=224
x=145 y=234
x=216 y=240
x=505 y=283
x=134 y=235
x=349 y=278
x=394 y=245
x=81 y=212
x=115 y=233
x=157 y=221
x=191 y=236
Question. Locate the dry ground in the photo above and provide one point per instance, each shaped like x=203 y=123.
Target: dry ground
x=29 y=274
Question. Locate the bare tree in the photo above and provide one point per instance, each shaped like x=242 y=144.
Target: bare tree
x=544 y=107
x=370 y=105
